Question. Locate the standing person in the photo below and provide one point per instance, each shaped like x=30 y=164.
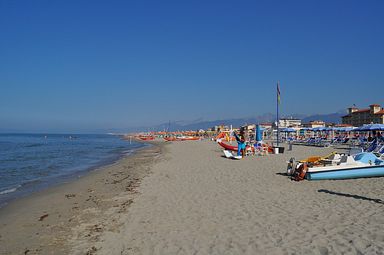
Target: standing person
x=242 y=141
x=240 y=144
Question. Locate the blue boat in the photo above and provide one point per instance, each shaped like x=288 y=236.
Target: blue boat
x=361 y=165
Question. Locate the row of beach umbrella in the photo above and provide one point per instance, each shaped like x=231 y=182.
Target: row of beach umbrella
x=368 y=127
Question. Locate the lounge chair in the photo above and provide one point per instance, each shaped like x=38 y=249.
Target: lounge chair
x=380 y=151
x=373 y=146
x=261 y=148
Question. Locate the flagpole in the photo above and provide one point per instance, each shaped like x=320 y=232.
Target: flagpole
x=277 y=113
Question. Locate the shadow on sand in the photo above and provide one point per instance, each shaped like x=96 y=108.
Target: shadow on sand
x=377 y=200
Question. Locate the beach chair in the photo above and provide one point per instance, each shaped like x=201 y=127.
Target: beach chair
x=249 y=151
x=380 y=151
x=261 y=149
x=229 y=154
x=372 y=146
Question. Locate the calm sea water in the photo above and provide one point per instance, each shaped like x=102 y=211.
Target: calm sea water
x=31 y=162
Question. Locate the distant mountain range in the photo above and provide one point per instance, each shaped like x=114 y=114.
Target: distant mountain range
x=328 y=118
x=267 y=117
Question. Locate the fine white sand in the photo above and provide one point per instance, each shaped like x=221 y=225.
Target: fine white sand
x=197 y=202
x=191 y=200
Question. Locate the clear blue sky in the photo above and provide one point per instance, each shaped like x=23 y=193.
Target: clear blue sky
x=85 y=65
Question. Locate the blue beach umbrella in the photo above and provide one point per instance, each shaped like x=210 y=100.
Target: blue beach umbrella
x=288 y=130
x=259 y=137
x=370 y=127
x=348 y=129
x=304 y=130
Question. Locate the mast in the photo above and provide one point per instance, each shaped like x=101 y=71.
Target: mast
x=277 y=112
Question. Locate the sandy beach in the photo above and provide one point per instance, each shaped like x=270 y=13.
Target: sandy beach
x=44 y=222
x=186 y=198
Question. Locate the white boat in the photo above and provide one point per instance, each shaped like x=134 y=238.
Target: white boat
x=348 y=167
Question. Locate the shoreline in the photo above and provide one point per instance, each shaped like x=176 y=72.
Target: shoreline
x=28 y=187
x=42 y=222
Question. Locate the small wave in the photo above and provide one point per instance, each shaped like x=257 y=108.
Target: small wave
x=3 y=192
x=127 y=152
x=33 y=145
x=30 y=182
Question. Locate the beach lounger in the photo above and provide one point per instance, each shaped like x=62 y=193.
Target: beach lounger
x=380 y=151
x=371 y=147
x=229 y=154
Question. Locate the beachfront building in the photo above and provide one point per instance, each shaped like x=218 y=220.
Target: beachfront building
x=266 y=125
x=342 y=126
x=289 y=122
x=314 y=124
x=358 y=117
x=220 y=128
x=250 y=127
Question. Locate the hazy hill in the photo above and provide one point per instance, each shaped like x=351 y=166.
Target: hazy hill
x=268 y=117
x=328 y=118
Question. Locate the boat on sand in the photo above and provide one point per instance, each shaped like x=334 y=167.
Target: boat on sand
x=361 y=165
x=181 y=138
x=248 y=147
x=146 y=137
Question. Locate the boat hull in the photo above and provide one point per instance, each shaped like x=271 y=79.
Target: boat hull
x=234 y=148
x=170 y=139
x=227 y=146
x=147 y=138
x=189 y=139
x=353 y=173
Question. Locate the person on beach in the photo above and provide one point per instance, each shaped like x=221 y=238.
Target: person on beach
x=243 y=139
x=240 y=143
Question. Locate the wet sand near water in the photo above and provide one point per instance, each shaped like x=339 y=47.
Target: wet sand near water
x=44 y=222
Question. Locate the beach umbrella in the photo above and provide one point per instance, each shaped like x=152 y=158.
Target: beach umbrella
x=259 y=137
x=370 y=127
x=322 y=129
x=288 y=130
x=347 y=129
x=358 y=129
x=304 y=130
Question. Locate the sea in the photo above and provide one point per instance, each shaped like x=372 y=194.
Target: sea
x=33 y=162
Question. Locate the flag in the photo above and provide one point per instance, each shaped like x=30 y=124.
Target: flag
x=278 y=93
